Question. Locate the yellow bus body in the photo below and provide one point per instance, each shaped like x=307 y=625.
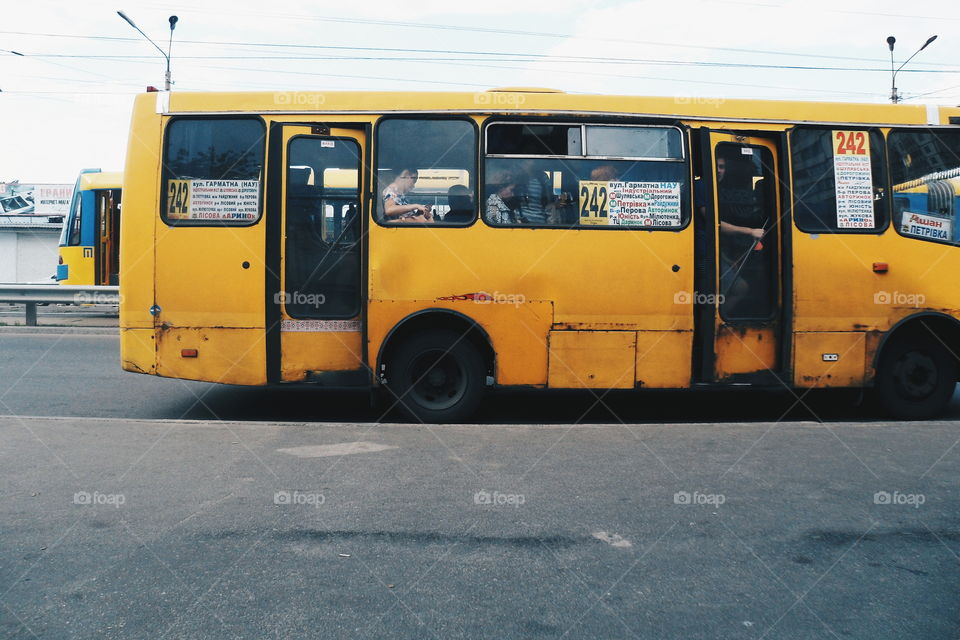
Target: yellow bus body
x=588 y=309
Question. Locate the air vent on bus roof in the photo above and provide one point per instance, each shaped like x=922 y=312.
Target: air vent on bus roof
x=523 y=90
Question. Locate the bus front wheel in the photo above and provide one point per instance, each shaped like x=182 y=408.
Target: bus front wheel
x=437 y=376
x=916 y=378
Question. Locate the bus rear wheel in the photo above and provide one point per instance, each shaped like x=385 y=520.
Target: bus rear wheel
x=916 y=379
x=437 y=376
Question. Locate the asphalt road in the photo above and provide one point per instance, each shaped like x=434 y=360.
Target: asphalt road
x=76 y=374
x=638 y=523
x=158 y=529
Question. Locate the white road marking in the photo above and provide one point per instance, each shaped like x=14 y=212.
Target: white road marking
x=342 y=449
x=612 y=539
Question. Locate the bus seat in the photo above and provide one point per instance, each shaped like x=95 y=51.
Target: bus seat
x=461 y=204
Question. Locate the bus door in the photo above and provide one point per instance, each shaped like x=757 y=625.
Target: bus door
x=747 y=301
x=315 y=301
x=107 y=250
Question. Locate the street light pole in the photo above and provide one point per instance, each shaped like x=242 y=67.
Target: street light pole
x=894 y=96
x=173 y=24
x=893 y=74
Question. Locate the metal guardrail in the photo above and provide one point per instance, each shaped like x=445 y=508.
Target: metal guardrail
x=31 y=295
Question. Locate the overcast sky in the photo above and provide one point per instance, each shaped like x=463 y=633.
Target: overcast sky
x=65 y=104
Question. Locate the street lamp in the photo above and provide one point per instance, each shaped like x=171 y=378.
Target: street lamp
x=173 y=24
x=16 y=53
x=894 y=97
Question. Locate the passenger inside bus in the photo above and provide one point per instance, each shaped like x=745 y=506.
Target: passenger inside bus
x=535 y=196
x=604 y=173
x=460 y=199
x=498 y=209
x=742 y=227
x=396 y=208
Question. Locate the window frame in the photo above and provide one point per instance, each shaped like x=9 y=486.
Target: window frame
x=686 y=212
x=778 y=253
x=358 y=303
x=75 y=221
x=884 y=178
x=375 y=193
x=922 y=129
x=165 y=173
x=583 y=140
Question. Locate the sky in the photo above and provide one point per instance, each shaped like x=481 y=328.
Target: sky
x=65 y=103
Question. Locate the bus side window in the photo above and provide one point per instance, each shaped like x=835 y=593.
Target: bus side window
x=426 y=171
x=820 y=206
x=75 y=229
x=220 y=158
x=604 y=177
x=925 y=179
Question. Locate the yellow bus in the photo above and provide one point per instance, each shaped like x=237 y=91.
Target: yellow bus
x=435 y=245
x=89 y=251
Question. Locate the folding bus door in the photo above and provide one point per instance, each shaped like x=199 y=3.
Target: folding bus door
x=747 y=316
x=314 y=314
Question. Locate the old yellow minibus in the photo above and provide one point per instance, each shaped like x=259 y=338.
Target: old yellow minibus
x=439 y=244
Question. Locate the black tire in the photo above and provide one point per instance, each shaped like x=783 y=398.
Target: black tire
x=436 y=376
x=916 y=378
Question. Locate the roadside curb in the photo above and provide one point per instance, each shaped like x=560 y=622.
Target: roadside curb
x=58 y=330
x=319 y=425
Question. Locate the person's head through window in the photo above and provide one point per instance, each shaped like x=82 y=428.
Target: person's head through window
x=506 y=191
x=734 y=169
x=396 y=206
x=501 y=188
x=604 y=173
x=406 y=180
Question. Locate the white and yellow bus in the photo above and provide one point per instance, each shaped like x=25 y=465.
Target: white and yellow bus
x=541 y=240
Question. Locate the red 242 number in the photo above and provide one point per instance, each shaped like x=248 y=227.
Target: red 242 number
x=851 y=142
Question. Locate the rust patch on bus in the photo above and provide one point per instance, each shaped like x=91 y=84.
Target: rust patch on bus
x=872 y=344
x=133 y=367
x=602 y=326
x=742 y=329
x=744 y=349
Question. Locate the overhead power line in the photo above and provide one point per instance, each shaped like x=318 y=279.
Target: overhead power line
x=681 y=80
x=524 y=33
x=878 y=14
x=496 y=54
x=556 y=59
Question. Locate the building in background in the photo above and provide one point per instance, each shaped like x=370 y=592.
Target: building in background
x=31 y=217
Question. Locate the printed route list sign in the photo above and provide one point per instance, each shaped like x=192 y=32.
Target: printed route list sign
x=854 y=180
x=638 y=204
x=213 y=200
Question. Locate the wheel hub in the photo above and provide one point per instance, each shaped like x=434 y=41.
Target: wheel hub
x=916 y=375
x=438 y=380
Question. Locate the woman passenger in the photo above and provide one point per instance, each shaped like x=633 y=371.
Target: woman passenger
x=501 y=191
x=395 y=205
